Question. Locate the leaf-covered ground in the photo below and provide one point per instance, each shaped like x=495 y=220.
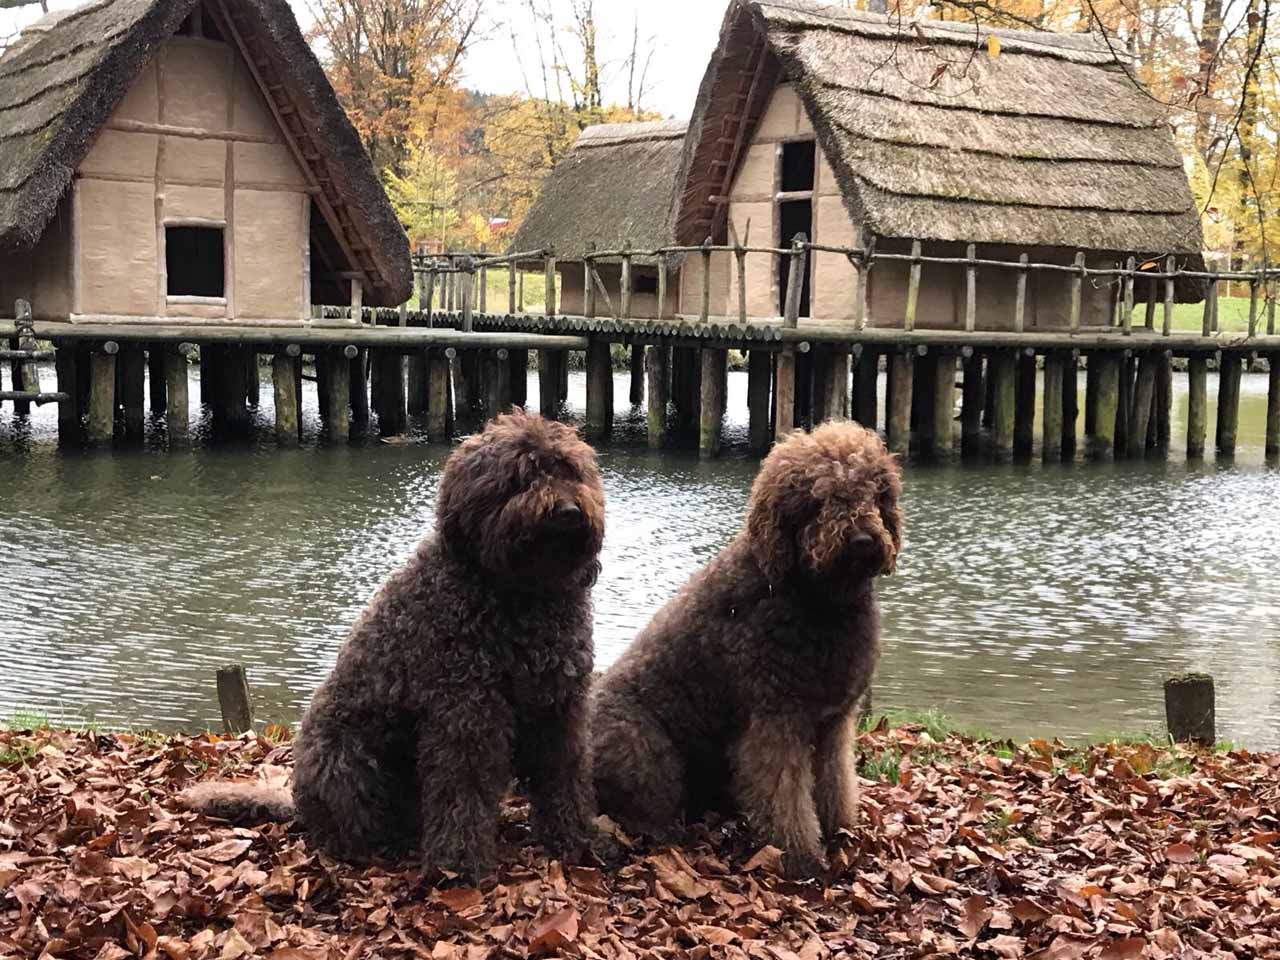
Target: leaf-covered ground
x=965 y=849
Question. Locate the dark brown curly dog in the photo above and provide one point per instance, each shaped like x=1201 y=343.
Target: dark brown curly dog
x=741 y=693
x=472 y=663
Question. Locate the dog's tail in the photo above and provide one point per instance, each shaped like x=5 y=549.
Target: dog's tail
x=240 y=802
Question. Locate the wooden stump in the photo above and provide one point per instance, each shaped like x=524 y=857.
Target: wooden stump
x=359 y=384
x=599 y=422
x=549 y=364
x=835 y=382
x=1124 y=414
x=1144 y=396
x=864 y=387
x=759 y=384
x=66 y=362
x=233 y=699
x=1229 y=371
x=389 y=400
x=102 y=397
x=339 y=422
x=1091 y=396
x=1024 y=418
x=131 y=373
x=1197 y=405
x=657 y=361
x=636 y=396
x=1070 y=405
x=156 y=382
x=439 y=397
x=518 y=360
x=711 y=408
x=177 y=414
x=1164 y=401
x=286 y=400
x=417 y=383
x=1051 y=420
x=1106 y=404
x=1004 y=394
x=784 y=394
x=1189 y=709
x=940 y=430
x=972 y=401
x=898 y=416
x=1272 y=449
x=497 y=382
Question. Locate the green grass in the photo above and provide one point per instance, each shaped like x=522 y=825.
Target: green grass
x=1233 y=316
x=25 y=720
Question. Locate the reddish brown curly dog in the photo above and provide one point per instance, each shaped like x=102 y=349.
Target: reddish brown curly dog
x=741 y=692
x=472 y=663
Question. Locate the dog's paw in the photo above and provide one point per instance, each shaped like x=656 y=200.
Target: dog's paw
x=797 y=865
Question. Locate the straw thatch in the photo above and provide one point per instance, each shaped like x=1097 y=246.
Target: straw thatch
x=1048 y=143
x=612 y=188
x=63 y=78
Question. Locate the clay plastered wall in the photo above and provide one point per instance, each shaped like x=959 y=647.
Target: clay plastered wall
x=833 y=291
x=193 y=141
x=42 y=275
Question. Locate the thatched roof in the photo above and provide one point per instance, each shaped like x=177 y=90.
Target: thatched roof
x=63 y=78
x=612 y=187
x=1048 y=143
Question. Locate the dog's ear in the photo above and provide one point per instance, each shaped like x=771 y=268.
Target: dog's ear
x=769 y=525
x=888 y=503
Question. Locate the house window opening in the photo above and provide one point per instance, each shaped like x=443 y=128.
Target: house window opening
x=798 y=165
x=646 y=283
x=195 y=261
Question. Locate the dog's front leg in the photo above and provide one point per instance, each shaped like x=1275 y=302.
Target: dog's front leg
x=554 y=761
x=837 y=790
x=773 y=783
x=464 y=769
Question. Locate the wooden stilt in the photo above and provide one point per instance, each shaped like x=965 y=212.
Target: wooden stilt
x=252 y=379
x=836 y=383
x=66 y=362
x=1104 y=370
x=1229 y=372
x=637 y=375
x=416 y=388
x=922 y=398
x=563 y=369
x=359 y=384
x=320 y=360
x=759 y=383
x=207 y=396
x=339 y=421
x=466 y=396
x=286 y=400
x=21 y=408
x=686 y=390
x=973 y=401
x=156 y=385
x=500 y=383
x=804 y=388
x=1197 y=405
x=1051 y=420
x=549 y=363
x=518 y=361
x=1070 y=404
x=942 y=415
x=1144 y=395
x=132 y=375
x=391 y=401
x=1004 y=393
x=1091 y=396
x=599 y=422
x=1024 y=419
x=1164 y=400
x=102 y=396
x=864 y=387
x=819 y=378
x=1272 y=449
x=657 y=360
x=711 y=408
x=989 y=388
x=901 y=375
x=784 y=394
x=439 y=397
x=175 y=377
x=84 y=364
x=1124 y=416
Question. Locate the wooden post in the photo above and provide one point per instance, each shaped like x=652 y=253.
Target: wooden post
x=1170 y=265
x=1144 y=396
x=1124 y=414
x=1051 y=420
x=1077 y=292
x=711 y=409
x=233 y=699
x=549 y=362
x=511 y=288
x=1164 y=400
x=973 y=399
x=132 y=375
x=439 y=397
x=252 y=379
x=497 y=382
x=1210 y=308
x=759 y=377
x=286 y=400
x=657 y=361
x=1020 y=301
x=563 y=395
x=971 y=289
x=518 y=362
x=1070 y=403
x=467 y=277
x=836 y=383
x=588 y=282
x=156 y=383
x=1126 y=319
x=389 y=399
x=704 y=308
x=941 y=427
x=417 y=383
x=1230 y=368
x=339 y=421
x=1102 y=445
x=636 y=396
x=662 y=286
x=1004 y=375
x=102 y=394
x=795 y=290
x=898 y=416
x=1025 y=412
x=174 y=376
x=913 y=288
x=358 y=381
x=66 y=363
x=1253 y=307
x=784 y=415
x=864 y=387
x=549 y=278
x=1272 y=449
x=1197 y=405
x=1092 y=371
x=625 y=286
x=866 y=262
x=599 y=420
x=1189 y=709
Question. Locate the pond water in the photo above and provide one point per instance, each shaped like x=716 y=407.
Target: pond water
x=1029 y=600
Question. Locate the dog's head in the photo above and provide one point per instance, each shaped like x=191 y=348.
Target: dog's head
x=523 y=499
x=825 y=506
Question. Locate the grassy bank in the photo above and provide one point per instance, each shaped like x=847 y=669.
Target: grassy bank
x=964 y=847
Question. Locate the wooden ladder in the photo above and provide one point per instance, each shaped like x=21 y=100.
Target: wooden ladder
x=26 y=375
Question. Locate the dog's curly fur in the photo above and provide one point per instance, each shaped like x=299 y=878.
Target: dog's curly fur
x=741 y=693
x=472 y=663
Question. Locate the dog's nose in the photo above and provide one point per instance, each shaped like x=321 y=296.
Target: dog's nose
x=566 y=515
x=860 y=539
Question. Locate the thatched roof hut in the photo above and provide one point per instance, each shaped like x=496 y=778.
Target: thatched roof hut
x=1048 y=143
x=612 y=187
x=161 y=90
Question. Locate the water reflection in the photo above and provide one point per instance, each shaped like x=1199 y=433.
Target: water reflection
x=1046 y=600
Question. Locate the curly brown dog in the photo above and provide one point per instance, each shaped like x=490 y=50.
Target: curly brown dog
x=740 y=693
x=472 y=663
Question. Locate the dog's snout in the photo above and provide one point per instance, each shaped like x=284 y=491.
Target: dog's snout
x=861 y=539
x=566 y=515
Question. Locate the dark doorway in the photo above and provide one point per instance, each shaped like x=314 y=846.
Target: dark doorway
x=798 y=161
x=195 y=261
x=795 y=216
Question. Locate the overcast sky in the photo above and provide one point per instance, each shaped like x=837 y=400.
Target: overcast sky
x=688 y=30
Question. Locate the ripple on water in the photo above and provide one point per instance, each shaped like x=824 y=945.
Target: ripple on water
x=1028 y=599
